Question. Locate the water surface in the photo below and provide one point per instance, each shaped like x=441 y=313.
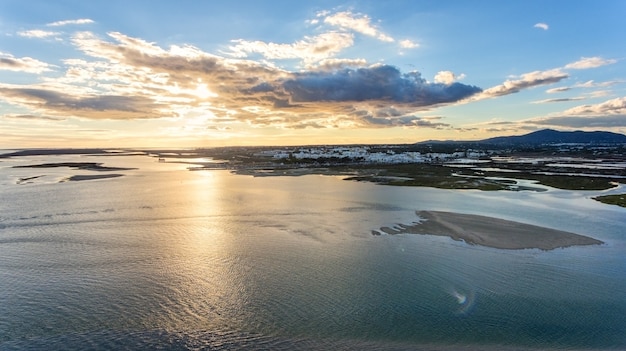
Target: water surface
x=165 y=257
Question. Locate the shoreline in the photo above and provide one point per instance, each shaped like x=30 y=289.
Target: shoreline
x=491 y=232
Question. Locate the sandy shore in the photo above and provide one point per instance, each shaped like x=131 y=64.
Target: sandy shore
x=491 y=232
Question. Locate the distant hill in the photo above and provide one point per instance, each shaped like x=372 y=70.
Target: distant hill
x=549 y=136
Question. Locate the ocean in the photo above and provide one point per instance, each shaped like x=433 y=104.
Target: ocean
x=172 y=259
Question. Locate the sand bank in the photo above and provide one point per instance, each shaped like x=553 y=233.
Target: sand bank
x=89 y=166
x=77 y=178
x=491 y=232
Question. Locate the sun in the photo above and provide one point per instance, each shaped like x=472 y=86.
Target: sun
x=202 y=91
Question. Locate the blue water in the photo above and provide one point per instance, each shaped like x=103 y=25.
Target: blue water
x=173 y=259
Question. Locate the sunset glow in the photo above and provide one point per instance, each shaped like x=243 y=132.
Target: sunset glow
x=118 y=74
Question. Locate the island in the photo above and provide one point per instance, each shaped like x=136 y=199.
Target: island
x=489 y=231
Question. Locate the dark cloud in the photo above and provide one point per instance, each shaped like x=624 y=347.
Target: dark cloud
x=9 y=62
x=379 y=83
x=94 y=107
x=33 y=117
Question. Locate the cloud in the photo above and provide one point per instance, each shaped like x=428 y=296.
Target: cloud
x=537 y=78
x=310 y=49
x=589 y=62
x=541 y=26
x=525 y=81
x=586 y=85
x=405 y=121
x=357 y=22
x=126 y=78
x=55 y=103
x=615 y=106
x=408 y=44
x=599 y=93
x=32 y=117
x=331 y=95
x=70 y=22
x=379 y=83
x=607 y=114
x=24 y=64
x=36 y=33
x=558 y=90
x=600 y=122
x=336 y=64
x=592 y=84
x=546 y=101
x=447 y=77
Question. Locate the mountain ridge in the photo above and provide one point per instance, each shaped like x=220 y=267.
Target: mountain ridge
x=545 y=136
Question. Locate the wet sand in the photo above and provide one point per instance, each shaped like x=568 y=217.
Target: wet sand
x=491 y=232
x=77 y=178
x=89 y=166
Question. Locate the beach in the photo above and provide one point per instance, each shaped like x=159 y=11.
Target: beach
x=491 y=232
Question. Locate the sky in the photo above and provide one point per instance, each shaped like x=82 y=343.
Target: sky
x=218 y=73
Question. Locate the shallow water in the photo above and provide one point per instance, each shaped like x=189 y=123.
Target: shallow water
x=164 y=257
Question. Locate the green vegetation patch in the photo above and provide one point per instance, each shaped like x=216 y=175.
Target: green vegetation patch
x=427 y=175
x=619 y=200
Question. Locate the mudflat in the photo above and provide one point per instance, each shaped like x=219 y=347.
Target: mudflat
x=491 y=232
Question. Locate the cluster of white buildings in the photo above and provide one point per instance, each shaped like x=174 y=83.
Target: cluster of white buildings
x=364 y=154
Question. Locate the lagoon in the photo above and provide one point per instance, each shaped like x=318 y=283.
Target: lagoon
x=165 y=257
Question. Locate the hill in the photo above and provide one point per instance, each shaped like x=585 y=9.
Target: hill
x=547 y=136
x=550 y=136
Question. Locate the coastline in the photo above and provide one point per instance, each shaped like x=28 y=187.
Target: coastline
x=491 y=232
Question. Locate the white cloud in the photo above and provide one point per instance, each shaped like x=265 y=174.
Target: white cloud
x=558 y=90
x=24 y=64
x=36 y=33
x=408 y=44
x=525 y=81
x=589 y=62
x=357 y=22
x=546 y=101
x=592 y=84
x=447 y=77
x=607 y=114
x=68 y=22
x=541 y=26
x=588 y=85
x=310 y=49
x=615 y=106
x=599 y=93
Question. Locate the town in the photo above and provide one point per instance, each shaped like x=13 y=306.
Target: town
x=366 y=154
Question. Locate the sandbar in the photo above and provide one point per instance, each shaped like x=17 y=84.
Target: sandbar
x=90 y=166
x=78 y=178
x=491 y=232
